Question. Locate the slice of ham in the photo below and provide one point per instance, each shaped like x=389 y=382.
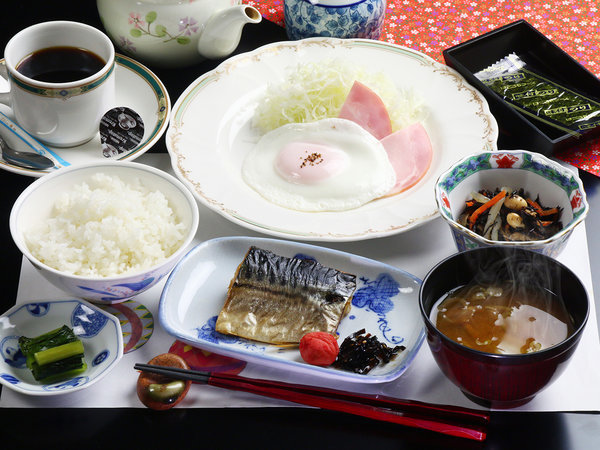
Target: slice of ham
x=409 y=150
x=366 y=108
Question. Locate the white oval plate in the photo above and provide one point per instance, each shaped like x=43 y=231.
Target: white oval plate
x=99 y=331
x=210 y=133
x=385 y=304
x=136 y=88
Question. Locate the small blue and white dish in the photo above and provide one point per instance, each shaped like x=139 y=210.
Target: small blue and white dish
x=334 y=18
x=385 y=304
x=99 y=331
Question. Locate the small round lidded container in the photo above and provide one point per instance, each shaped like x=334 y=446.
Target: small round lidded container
x=539 y=176
x=334 y=18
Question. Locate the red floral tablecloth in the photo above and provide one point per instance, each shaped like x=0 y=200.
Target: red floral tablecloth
x=430 y=26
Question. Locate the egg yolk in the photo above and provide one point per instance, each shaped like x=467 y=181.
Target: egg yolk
x=309 y=163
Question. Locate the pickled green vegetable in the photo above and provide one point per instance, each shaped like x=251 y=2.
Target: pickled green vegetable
x=59 y=370
x=50 y=339
x=54 y=356
x=534 y=95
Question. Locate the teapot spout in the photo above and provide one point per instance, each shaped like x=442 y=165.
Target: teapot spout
x=224 y=29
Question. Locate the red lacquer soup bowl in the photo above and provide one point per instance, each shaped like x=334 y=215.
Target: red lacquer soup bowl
x=502 y=380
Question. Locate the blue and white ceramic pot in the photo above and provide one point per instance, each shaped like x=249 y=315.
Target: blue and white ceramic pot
x=334 y=18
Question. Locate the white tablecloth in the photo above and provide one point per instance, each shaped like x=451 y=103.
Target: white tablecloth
x=415 y=251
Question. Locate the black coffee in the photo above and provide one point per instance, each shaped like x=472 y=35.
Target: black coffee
x=60 y=64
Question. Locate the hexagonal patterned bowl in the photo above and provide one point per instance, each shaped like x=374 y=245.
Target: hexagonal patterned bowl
x=555 y=184
x=99 y=331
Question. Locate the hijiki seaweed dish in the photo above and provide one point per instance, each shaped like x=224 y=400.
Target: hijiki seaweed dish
x=507 y=215
x=361 y=351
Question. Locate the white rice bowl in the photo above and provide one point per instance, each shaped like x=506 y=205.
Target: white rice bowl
x=107 y=227
x=104 y=232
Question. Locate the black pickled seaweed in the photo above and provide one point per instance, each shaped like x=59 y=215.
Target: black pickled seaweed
x=360 y=352
x=262 y=266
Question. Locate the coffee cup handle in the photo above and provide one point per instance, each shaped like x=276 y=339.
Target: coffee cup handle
x=4 y=96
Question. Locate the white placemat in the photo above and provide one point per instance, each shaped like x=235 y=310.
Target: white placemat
x=416 y=251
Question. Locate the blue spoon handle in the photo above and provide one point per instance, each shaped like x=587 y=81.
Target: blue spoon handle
x=29 y=141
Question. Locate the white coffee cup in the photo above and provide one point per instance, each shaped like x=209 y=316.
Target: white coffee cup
x=60 y=114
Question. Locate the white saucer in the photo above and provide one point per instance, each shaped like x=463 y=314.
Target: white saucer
x=136 y=88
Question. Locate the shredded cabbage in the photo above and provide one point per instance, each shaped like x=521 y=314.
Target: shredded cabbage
x=314 y=91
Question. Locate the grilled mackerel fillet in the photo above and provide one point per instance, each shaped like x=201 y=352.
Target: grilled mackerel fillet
x=278 y=300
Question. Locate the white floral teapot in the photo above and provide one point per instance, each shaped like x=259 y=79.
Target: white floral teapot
x=176 y=33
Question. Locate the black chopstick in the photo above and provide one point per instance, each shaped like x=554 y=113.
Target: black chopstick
x=175 y=372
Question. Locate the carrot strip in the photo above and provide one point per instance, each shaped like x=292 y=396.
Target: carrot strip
x=535 y=205
x=545 y=223
x=487 y=205
x=548 y=212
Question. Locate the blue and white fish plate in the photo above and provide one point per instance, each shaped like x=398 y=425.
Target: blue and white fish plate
x=99 y=331
x=385 y=304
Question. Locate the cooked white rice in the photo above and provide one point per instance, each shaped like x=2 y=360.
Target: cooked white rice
x=107 y=227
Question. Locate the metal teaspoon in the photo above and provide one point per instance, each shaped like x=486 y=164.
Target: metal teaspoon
x=28 y=160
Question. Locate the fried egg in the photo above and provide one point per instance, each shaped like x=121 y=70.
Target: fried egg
x=327 y=165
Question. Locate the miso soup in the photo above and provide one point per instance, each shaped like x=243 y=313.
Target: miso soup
x=503 y=318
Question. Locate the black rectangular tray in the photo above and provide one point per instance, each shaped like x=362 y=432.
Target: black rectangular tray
x=517 y=131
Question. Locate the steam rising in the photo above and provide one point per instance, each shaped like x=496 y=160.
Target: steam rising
x=510 y=306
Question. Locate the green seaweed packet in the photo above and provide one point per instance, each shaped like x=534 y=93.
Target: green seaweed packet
x=536 y=96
